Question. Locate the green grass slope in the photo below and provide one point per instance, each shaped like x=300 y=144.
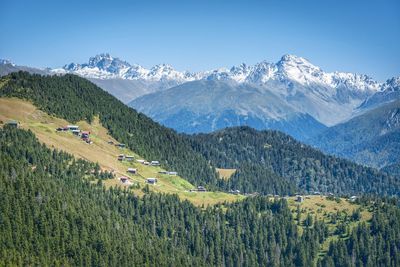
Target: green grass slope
x=74 y=99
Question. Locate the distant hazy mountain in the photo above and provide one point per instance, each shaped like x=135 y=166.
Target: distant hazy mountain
x=7 y=67
x=390 y=91
x=126 y=90
x=372 y=138
x=207 y=105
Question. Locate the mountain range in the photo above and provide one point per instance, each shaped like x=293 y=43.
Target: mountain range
x=291 y=95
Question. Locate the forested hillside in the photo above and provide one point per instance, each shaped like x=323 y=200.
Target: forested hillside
x=52 y=214
x=254 y=152
x=266 y=161
x=73 y=98
x=372 y=138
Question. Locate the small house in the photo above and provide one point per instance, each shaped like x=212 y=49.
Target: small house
x=120 y=145
x=62 y=129
x=132 y=170
x=140 y=161
x=123 y=179
x=299 y=198
x=172 y=173
x=13 y=123
x=72 y=127
x=146 y=163
x=151 y=180
x=201 y=189
x=121 y=157
x=129 y=158
x=155 y=163
x=353 y=198
x=163 y=172
x=85 y=134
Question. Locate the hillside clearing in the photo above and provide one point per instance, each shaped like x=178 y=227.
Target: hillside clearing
x=44 y=126
x=225 y=173
x=334 y=212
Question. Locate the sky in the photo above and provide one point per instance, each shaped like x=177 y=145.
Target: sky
x=354 y=36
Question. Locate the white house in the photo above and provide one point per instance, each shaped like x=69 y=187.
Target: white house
x=132 y=170
x=73 y=127
x=129 y=158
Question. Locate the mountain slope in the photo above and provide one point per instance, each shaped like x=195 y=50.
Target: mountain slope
x=253 y=152
x=104 y=154
x=205 y=106
x=125 y=90
x=74 y=99
x=372 y=138
x=52 y=214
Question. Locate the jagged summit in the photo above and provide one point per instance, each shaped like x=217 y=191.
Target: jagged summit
x=6 y=62
x=289 y=68
x=105 y=66
x=391 y=85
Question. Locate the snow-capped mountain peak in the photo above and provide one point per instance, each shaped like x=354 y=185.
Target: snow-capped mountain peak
x=108 y=63
x=354 y=81
x=6 y=62
x=104 y=66
x=391 y=85
x=292 y=60
x=289 y=68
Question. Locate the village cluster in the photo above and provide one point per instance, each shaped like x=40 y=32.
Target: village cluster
x=85 y=136
x=74 y=129
x=150 y=180
x=130 y=158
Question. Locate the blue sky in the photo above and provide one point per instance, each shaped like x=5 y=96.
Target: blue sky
x=355 y=36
